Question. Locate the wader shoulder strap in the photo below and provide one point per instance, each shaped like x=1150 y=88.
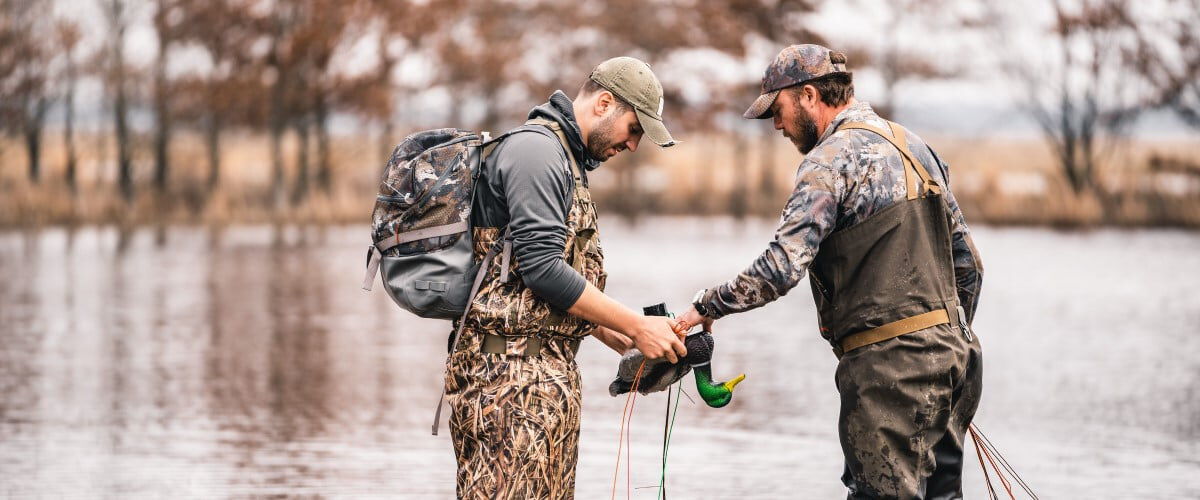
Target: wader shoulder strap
x=562 y=138
x=911 y=163
x=576 y=262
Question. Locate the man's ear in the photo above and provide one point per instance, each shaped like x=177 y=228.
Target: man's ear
x=811 y=95
x=604 y=101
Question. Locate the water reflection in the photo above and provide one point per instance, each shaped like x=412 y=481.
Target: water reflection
x=211 y=362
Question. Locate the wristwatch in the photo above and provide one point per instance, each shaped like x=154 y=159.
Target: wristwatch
x=699 y=305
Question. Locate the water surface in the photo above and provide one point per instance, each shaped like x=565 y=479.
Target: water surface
x=194 y=362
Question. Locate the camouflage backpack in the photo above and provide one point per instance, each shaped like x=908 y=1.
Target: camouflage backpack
x=420 y=227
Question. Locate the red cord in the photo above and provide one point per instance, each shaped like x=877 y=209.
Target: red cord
x=987 y=453
x=622 y=436
x=979 y=454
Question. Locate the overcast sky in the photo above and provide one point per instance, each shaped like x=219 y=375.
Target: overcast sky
x=974 y=104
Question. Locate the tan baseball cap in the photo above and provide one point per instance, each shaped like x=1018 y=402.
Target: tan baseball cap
x=631 y=80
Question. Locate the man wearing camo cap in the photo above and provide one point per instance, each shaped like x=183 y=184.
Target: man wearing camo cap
x=511 y=379
x=893 y=270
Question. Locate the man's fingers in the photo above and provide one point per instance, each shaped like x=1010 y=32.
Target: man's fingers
x=671 y=357
x=678 y=348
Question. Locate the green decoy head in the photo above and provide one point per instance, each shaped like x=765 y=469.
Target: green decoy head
x=715 y=394
x=700 y=348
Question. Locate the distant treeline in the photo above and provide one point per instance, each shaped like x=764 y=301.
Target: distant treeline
x=281 y=71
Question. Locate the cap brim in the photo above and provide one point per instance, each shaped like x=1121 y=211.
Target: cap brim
x=655 y=129
x=761 y=107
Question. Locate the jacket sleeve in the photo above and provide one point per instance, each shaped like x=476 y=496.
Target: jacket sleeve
x=808 y=217
x=534 y=177
x=968 y=267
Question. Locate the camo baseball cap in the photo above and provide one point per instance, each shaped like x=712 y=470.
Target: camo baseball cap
x=632 y=81
x=794 y=65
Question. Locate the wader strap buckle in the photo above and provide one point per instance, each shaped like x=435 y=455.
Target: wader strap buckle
x=962 y=323
x=499 y=344
x=891 y=330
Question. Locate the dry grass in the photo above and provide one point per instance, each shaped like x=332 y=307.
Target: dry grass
x=996 y=181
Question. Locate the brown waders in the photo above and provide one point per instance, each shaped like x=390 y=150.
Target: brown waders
x=909 y=370
x=511 y=380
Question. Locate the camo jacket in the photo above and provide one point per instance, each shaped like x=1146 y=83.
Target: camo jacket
x=847 y=177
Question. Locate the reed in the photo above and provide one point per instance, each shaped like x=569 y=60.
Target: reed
x=997 y=181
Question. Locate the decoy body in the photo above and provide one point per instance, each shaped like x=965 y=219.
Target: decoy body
x=659 y=374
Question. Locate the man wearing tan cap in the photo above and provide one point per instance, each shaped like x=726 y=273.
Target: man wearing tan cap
x=893 y=271
x=511 y=380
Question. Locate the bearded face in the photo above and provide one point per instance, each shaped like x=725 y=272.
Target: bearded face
x=603 y=141
x=802 y=131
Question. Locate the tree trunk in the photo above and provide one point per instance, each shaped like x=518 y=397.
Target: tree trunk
x=162 y=134
x=766 y=181
x=278 y=186
x=700 y=202
x=69 y=124
x=212 y=141
x=324 y=168
x=120 y=121
x=738 y=191
x=301 y=188
x=386 y=65
x=386 y=143
x=33 y=138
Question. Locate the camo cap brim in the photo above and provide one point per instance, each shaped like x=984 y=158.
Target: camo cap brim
x=762 y=106
x=794 y=65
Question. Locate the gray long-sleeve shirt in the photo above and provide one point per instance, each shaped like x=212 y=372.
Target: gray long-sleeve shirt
x=527 y=184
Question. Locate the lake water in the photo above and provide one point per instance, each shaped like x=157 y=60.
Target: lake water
x=200 y=363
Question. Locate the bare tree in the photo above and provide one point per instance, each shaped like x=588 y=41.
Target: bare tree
x=1167 y=56
x=221 y=28
x=277 y=24
x=167 y=18
x=899 y=63
x=406 y=27
x=328 y=24
x=1079 y=95
x=25 y=54
x=68 y=38
x=117 y=19
x=782 y=24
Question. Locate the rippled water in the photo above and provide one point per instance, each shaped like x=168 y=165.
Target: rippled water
x=189 y=362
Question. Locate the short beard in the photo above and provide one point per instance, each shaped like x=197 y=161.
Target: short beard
x=807 y=128
x=601 y=137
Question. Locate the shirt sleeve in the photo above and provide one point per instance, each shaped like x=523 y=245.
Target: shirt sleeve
x=968 y=267
x=808 y=217
x=538 y=186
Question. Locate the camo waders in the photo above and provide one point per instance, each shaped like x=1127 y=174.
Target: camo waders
x=910 y=370
x=511 y=381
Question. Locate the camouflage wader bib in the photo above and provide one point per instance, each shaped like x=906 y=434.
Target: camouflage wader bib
x=909 y=372
x=511 y=382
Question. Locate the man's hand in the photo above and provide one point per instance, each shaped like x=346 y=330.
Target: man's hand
x=613 y=339
x=655 y=337
x=692 y=318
